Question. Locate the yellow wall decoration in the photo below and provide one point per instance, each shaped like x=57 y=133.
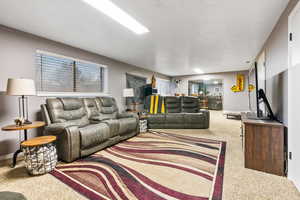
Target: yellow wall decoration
x=240 y=83
x=251 y=88
x=234 y=88
x=152 y=104
x=163 y=109
x=156 y=104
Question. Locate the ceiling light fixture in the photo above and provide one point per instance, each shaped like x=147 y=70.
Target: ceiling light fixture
x=117 y=14
x=198 y=71
x=216 y=82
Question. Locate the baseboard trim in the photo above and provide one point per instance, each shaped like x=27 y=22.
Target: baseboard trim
x=7 y=159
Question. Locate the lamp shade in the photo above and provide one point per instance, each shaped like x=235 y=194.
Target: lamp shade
x=128 y=92
x=19 y=87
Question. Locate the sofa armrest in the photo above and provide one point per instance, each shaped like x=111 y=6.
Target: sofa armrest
x=97 y=119
x=55 y=129
x=127 y=115
x=68 y=140
x=207 y=116
x=45 y=114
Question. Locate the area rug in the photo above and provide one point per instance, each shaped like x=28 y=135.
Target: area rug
x=153 y=165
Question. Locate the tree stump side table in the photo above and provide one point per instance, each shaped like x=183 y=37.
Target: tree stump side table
x=40 y=154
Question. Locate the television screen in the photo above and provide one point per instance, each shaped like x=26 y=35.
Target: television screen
x=252 y=92
x=257 y=77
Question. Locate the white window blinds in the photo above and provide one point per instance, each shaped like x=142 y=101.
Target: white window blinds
x=61 y=74
x=88 y=77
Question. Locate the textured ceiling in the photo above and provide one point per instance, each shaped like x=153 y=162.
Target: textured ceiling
x=212 y=35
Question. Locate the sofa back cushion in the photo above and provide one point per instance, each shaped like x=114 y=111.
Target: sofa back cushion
x=107 y=107
x=69 y=110
x=91 y=107
x=172 y=104
x=190 y=104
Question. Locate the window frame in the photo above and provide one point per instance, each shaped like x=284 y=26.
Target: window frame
x=73 y=94
x=164 y=80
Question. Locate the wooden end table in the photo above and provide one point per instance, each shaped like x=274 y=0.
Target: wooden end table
x=24 y=127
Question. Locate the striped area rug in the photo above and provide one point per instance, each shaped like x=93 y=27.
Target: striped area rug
x=154 y=165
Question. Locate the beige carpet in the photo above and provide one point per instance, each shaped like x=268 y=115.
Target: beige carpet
x=239 y=183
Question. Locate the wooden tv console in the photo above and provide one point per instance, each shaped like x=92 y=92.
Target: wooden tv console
x=264 y=145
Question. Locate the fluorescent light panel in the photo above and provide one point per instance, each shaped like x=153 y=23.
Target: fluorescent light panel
x=117 y=14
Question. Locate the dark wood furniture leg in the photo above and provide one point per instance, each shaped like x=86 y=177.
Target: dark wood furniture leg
x=18 y=151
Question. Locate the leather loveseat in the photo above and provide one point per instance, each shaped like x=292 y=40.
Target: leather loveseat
x=181 y=113
x=86 y=125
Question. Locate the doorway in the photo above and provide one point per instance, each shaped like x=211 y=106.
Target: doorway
x=209 y=92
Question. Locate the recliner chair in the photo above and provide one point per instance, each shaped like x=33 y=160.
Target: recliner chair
x=86 y=125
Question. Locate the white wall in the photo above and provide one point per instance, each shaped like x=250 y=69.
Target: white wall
x=211 y=88
x=277 y=75
x=17 y=59
x=276 y=55
x=231 y=101
x=294 y=96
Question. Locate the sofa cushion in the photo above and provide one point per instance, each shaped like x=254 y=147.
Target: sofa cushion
x=156 y=119
x=127 y=125
x=93 y=135
x=107 y=107
x=71 y=103
x=175 y=118
x=91 y=107
x=194 y=118
x=114 y=126
x=190 y=104
x=173 y=104
x=67 y=110
x=156 y=126
x=107 y=101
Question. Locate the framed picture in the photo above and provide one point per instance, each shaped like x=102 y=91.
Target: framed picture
x=137 y=83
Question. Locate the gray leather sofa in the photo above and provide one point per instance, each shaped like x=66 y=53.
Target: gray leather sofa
x=86 y=125
x=181 y=113
x=215 y=103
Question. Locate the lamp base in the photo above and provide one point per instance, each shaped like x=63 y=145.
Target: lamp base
x=27 y=122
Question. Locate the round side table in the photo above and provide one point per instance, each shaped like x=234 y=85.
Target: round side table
x=40 y=154
x=24 y=127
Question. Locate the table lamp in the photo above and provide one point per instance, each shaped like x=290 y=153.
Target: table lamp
x=23 y=88
x=129 y=92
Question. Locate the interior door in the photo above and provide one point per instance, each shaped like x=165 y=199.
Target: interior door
x=294 y=97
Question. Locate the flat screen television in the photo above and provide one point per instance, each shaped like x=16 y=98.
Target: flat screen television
x=258 y=103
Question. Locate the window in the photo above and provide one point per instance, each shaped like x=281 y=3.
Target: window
x=56 y=74
x=163 y=87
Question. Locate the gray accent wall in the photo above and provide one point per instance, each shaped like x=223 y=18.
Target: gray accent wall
x=17 y=60
x=231 y=101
